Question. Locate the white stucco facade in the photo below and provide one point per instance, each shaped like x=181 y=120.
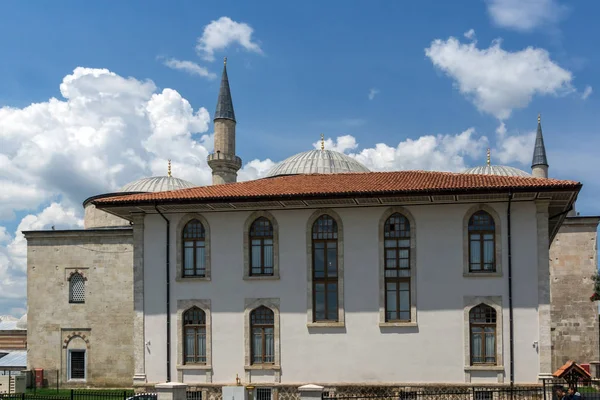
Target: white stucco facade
x=433 y=348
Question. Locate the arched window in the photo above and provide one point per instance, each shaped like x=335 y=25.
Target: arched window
x=482 y=325
x=262 y=328
x=396 y=236
x=325 y=269
x=482 y=243
x=194 y=260
x=261 y=247
x=194 y=331
x=77 y=288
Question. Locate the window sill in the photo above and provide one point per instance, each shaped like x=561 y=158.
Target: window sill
x=194 y=366
x=272 y=367
x=398 y=324
x=484 y=368
x=325 y=324
x=482 y=274
x=193 y=279
x=261 y=277
x=77 y=380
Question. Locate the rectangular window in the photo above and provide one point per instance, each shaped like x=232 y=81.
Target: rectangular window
x=397 y=293
x=195 y=345
x=77 y=364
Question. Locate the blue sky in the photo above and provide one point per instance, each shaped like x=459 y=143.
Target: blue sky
x=297 y=69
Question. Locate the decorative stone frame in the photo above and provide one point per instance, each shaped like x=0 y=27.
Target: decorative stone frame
x=253 y=217
x=496 y=303
x=309 y=261
x=70 y=273
x=251 y=304
x=179 y=249
x=497 y=242
x=413 y=268
x=182 y=307
x=68 y=335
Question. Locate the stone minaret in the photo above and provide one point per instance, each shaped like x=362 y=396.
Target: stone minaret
x=223 y=162
x=539 y=164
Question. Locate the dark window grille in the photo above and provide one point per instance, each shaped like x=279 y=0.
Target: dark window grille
x=482 y=243
x=194 y=249
x=262 y=327
x=396 y=234
x=482 y=321
x=261 y=247
x=77 y=364
x=263 y=393
x=194 y=331
x=325 y=269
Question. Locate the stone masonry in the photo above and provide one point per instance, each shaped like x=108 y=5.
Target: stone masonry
x=103 y=325
x=574 y=317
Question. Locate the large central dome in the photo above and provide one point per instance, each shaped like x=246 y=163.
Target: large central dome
x=317 y=162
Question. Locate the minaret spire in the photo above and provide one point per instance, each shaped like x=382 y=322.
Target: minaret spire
x=539 y=164
x=223 y=162
x=224 y=103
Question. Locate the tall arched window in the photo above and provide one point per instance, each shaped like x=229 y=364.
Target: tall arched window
x=262 y=328
x=77 y=288
x=194 y=332
x=261 y=247
x=482 y=243
x=325 y=269
x=194 y=251
x=396 y=233
x=482 y=325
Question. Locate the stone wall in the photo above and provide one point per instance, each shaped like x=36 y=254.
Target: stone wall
x=573 y=261
x=94 y=218
x=103 y=325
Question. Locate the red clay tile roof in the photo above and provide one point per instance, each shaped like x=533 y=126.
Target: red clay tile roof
x=568 y=366
x=348 y=184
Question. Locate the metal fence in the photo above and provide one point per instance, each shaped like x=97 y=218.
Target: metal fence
x=80 y=395
x=450 y=393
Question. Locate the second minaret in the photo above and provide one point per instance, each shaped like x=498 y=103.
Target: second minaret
x=223 y=161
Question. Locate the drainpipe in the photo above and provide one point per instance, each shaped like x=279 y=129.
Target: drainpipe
x=168 y=268
x=510 y=298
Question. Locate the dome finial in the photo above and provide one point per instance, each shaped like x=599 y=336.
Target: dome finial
x=322 y=142
x=169 y=170
x=488 y=157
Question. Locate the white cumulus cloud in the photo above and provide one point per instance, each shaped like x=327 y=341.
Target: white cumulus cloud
x=587 y=92
x=222 y=33
x=190 y=67
x=498 y=81
x=525 y=15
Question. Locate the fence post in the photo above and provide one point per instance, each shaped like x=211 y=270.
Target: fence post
x=124 y=394
x=72 y=393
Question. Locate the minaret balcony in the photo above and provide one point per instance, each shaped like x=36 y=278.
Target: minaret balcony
x=222 y=159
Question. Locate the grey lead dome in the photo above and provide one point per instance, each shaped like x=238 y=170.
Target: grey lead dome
x=317 y=162
x=156 y=184
x=501 y=170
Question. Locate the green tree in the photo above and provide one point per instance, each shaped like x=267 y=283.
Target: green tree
x=596 y=295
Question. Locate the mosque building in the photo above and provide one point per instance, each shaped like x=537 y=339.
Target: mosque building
x=321 y=272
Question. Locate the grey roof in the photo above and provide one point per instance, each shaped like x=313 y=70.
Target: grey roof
x=317 y=162
x=10 y=326
x=539 y=151
x=224 y=103
x=502 y=170
x=157 y=184
x=14 y=358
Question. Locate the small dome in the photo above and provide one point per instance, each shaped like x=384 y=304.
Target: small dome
x=22 y=322
x=501 y=170
x=157 y=184
x=317 y=162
